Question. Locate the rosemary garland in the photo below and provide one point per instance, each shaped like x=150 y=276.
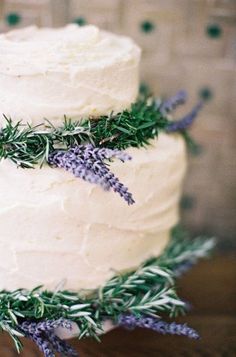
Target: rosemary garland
x=150 y=290
x=85 y=148
x=28 y=145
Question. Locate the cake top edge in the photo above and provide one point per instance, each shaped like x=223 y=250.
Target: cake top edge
x=33 y=50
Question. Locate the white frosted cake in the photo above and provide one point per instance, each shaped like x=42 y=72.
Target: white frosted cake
x=78 y=72
x=54 y=227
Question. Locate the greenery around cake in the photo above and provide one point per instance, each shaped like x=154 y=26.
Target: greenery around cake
x=85 y=148
x=148 y=291
x=28 y=145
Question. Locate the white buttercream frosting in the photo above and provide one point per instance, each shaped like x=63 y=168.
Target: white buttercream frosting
x=54 y=227
x=77 y=71
x=57 y=228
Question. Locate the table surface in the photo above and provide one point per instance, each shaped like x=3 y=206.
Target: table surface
x=210 y=287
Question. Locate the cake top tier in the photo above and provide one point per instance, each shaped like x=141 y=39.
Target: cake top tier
x=37 y=50
x=74 y=71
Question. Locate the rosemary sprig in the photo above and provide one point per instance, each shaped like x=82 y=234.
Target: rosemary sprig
x=150 y=290
x=27 y=146
x=182 y=249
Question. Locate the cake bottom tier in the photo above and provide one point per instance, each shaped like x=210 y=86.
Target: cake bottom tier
x=87 y=267
x=56 y=229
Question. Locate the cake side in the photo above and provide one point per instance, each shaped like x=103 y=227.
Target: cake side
x=60 y=231
x=73 y=71
x=55 y=228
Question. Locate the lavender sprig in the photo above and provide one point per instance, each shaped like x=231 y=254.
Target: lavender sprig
x=171 y=103
x=50 y=325
x=61 y=346
x=158 y=325
x=183 y=268
x=42 y=333
x=88 y=163
x=42 y=344
x=186 y=121
x=104 y=153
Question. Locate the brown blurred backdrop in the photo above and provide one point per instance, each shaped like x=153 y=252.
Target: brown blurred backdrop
x=188 y=44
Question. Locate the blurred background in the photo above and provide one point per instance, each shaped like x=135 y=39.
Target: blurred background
x=188 y=44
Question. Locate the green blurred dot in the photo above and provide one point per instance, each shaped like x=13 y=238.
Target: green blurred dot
x=197 y=150
x=206 y=93
x=81 y=21
x=187 y=202
x=147 y=26
x=144 y=89
x=13 y=19
x=214 y=30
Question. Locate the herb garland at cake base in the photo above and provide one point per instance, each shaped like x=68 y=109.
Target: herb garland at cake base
x=140 y=298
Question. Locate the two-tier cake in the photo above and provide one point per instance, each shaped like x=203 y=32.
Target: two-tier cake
x=60 y=229
x=54 y=227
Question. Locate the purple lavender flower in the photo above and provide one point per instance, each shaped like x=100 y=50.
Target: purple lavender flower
x=110 y=181
x=130 y=321
x=186 y=121
x=61 y=346
x=104 y=153
x=171 y=103
x=43 y=345
x=183 y=268
x=42 y=333
x=88 y=163
x=50 y=325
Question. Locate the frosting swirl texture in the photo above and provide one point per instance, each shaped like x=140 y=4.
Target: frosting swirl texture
x=56 y=227
x=73 y=71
